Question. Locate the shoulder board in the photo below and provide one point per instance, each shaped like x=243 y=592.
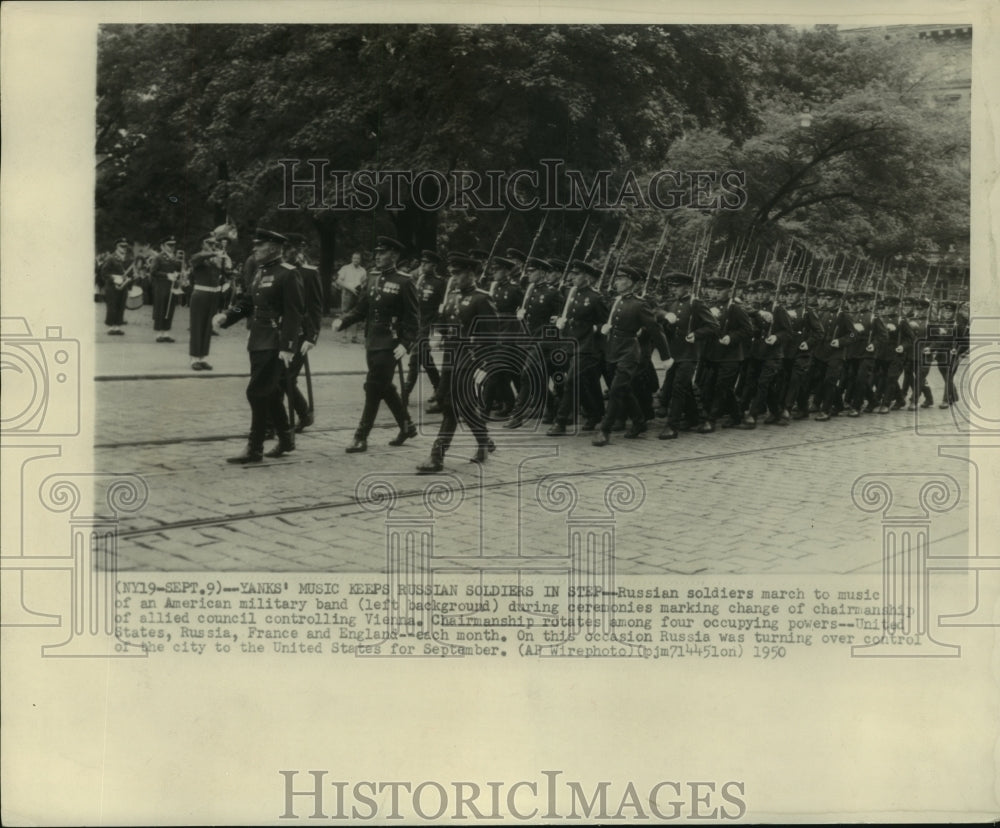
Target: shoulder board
x=288 y=266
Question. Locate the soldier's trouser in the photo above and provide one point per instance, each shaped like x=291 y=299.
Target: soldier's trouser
x=915 y=372
x=621 y=399
x=457 y=398
x=719 y=394
x=421 y=357
x=685 y=397
x=290 y=377
x=534 y=379
x=767 y=396
x=582 y=389
x=114 y=299
x=814 y=384
x=833 y=381
x=886 y=380
x=750 y=378
x=265 y=395
x=947 y=366
x=796 y=370
x=861 y=388
x=163 y=308
x=203 y=307
x=378 y=387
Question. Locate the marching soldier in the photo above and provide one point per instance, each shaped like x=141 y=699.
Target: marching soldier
x=916 y=364
x=797 y=357
x=507 y=295
x=274 y=306
x=541 y=307
x=430 y=295
x=861 y=353
x=312 y=321
x=773 y=328
x=391 y=311
x=724 y=354
x=628 y=316
x=839 y=333
x=689 y=325
x=164 y=273
x=585 y=313
x=468 y=325
x=946 y=339
x=889 y=356
x=114 y=277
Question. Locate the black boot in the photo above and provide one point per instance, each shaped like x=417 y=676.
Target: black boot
x=557 y=430
x=304 y=421
x=360 y=443
x=253 y=453
x=286 y=443
x=434 y=463
x=407 y=432
x=483 y=452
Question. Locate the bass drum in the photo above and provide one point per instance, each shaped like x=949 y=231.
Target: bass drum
x=134 y=300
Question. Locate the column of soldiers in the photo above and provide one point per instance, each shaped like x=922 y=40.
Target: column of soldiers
x=522 y=338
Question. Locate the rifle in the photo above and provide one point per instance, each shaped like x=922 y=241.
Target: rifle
x=611 y=252
x=496 y=241
x=569 y=261
x=590 y=249
x=534 y=241
x=656 y=252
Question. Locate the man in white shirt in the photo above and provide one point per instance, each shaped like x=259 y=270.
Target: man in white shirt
x=350 y=279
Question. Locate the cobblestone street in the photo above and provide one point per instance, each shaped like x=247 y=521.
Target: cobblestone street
x=774 y=500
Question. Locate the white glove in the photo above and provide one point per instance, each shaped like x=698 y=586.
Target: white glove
x=306 y=346
x=835 y=343
x=520 y=313
x=337 y=325
x=803 y=346
x=770 y=340
x=766 y=316
x=899 y=349
x=927 y=351
x=286 y=357
x=689 y=338
x=891 y=327
x=725 y=340
x=173 y=277
x=859 y=327
x=561 y=323
x=671 y=317
x=399 y=351
x=217 y=320
x=870 y=348
x=715 y=312
x=606 y=328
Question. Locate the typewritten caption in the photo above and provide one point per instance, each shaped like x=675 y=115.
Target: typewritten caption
x=363 y=615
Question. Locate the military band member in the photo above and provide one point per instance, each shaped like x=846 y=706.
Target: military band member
x=629 y=314
x=391 y=312
x=164 y=273
x=274 y=306
x=468 y=330
x=113 y=275
x=206 y=284
x=724 y=354
x=586 y=311
x=312 y=321
x=430 y=294
x=689 y=325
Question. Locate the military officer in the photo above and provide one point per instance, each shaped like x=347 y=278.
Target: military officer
x=468 y=330
x=274 y=306
x=164 y=273
x=430 y=294
x=585 y=311
x=629 y=315
x=391 y=312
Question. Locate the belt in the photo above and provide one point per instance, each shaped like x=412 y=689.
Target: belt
x=207 y=289
x=623 y=334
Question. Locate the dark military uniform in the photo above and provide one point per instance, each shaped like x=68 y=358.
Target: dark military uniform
x=206 y=276
x=112 y=276
x=430 y=295
x=764 y=386
x=916 y=366
x=721 y=363
x=838 y=327
x=508 y=356
x=391 y=312
x=468 y=330
x=585 y=315
x=629 y=315
x=544 y=301
x=274 y=307
x=312 y=321
x=948 y=341
x=164 y=273
x=860 y=365
x=889 y=356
